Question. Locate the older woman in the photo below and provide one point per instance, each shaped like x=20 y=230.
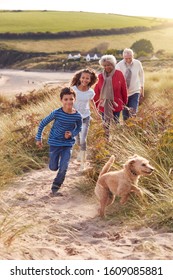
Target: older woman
x=110 y=92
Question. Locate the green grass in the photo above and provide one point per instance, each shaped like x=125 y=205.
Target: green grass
x=160 y=39
x=39 y=21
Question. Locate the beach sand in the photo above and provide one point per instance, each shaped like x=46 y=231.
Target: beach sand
x=41 y=227
x=13 y=82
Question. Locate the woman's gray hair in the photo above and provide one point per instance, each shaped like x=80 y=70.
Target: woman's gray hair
x=108 y=57
x=128 y=52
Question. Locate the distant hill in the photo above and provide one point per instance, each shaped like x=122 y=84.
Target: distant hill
x=42 y=39
x=56 y=21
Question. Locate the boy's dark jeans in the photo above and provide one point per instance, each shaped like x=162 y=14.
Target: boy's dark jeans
x=59 y=158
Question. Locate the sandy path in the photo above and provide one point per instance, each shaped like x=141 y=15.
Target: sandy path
x=67 y=227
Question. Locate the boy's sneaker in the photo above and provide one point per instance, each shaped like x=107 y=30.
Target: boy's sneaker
x=54 y=194
x=55 y=190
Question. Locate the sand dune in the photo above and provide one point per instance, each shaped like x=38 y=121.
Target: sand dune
x=36 y=226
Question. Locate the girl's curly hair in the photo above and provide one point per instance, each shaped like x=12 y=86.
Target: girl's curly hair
x=76 y=78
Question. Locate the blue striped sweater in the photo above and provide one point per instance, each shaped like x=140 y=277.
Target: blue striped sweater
x=62 y=122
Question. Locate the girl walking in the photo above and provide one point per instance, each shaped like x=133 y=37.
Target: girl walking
x=81 y=83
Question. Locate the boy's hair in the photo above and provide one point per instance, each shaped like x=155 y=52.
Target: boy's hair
x=76 y=79
x=67 y=91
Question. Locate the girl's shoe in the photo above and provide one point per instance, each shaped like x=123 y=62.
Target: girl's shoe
x=79 y=156
x=83 y=160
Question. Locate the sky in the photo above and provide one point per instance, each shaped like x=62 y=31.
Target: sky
x=151 y=8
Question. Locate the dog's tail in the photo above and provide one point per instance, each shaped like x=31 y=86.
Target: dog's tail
x=107 y=166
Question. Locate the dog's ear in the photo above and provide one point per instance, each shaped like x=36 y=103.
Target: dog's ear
x=131 y=161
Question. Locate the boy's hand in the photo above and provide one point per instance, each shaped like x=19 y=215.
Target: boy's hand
x=39 y=144
x=68 y=134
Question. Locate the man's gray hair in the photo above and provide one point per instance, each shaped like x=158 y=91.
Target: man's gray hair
x=128 y=52
x=108 y=57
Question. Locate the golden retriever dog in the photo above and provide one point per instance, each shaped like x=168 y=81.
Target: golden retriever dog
x=120 y=183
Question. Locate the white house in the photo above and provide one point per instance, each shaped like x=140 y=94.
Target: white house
x=88 y=58
x=70 y=56
x=94 y=57
x=74 y=57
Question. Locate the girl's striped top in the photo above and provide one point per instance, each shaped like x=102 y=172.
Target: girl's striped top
x=62 y=122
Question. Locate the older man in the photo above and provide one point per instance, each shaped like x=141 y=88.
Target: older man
x=134 y=75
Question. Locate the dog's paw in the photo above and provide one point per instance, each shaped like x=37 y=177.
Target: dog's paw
x=101 y=214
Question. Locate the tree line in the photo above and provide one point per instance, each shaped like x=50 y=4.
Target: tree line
x=83 y=33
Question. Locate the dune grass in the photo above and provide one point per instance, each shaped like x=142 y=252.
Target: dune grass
x=18 y=134
x=150 y=135
x=160 y=83
x=155 y=209
x=18 y=152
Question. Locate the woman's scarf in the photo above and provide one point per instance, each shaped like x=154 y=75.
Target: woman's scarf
x=107 y=95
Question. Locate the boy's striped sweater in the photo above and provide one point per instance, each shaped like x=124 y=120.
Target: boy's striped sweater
x=62 y=122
